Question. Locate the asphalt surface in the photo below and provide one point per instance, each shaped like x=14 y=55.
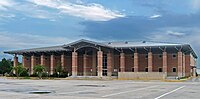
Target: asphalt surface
x=91 y=89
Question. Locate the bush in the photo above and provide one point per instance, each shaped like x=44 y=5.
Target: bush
x=39 y=70
x=20 y=71
x=62 y=74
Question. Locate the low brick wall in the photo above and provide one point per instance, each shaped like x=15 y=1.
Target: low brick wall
x=142 y=75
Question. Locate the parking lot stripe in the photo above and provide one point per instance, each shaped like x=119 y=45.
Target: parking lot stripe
x=129 y=91
x=169 y=92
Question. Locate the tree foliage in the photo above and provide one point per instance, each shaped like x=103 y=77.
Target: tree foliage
x=59 y=71
x=39 y=70
x=5 y=66
x=19 y=70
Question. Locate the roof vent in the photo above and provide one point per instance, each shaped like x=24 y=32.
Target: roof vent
x=126 y=42
x=143 y=41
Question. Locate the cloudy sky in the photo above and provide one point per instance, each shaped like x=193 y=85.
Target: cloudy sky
x=36 y=23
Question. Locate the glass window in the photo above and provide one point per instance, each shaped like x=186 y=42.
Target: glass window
x=174 y=56
x=146 y=69
x=160 y=69
x=174 y=69
x=104 y=73
x=160 y=56
x=132 y=69
x=146 y=56
x=104 y=61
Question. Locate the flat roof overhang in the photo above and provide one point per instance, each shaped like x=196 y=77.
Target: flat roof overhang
x=186 y=48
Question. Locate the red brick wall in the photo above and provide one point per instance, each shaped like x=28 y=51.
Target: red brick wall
x=27 y=62
x=68 y=63
x=129 y=63
x=143 y=62
x=157 y=62
x=89 y=63
x=116 y=62
x=172 y=62
x=80 y=65
x=38 y=61
x=57 y=62
x=187 y=65
x=47 y=63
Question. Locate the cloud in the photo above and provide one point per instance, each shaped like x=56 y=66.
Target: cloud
x=4 y=7
x=18 y=41
x=94 y=12
x=55 y=9
x=140 y=27
x=4 y=16
x=21 y=41
x=10 y=9
x=155 y=16
x=195 y=4
x=177 y=34
x=33 y=11
x=4 y=4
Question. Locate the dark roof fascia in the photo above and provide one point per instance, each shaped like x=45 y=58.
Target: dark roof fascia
x=152 y=46
x=31 y=50
x=193 y=52
x=183 y=45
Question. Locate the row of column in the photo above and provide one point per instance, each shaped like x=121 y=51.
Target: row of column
x=33 y=62
x=85 y=64
x=181 y=63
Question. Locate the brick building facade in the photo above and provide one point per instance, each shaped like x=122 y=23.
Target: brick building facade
x=88 y=58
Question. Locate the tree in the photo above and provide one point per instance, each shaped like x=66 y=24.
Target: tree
x=19 y=70
x=39 y=69
x=59 y=71
x=5 y=66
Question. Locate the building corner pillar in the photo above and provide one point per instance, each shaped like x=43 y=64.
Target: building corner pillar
x=194 y=72
x=33 y=63
x=42 y=59
x=74 y=64
x=165 y=62
x=184 y=64
x=180 y=64
x=136 y=62
x=122 y=62
x=52 y=64
x=100 y=62
x=85 y=68
x=150 y=62
x=15 y=63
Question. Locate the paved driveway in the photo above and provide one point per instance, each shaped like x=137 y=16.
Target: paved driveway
x=90 y=89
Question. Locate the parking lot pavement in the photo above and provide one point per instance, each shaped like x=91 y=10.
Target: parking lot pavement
x=91 y=89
